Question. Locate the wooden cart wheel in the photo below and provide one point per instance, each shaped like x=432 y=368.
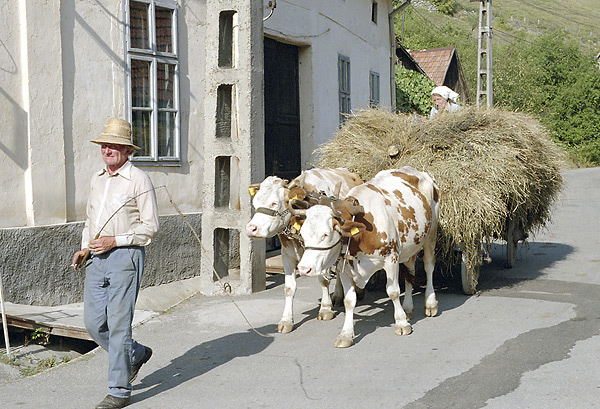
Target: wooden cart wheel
x=469 y=273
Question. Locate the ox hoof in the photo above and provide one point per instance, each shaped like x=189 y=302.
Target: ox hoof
x=325 y=315
x=285 y=327
x=431 y=311
x=343 y=342
x=405 y=330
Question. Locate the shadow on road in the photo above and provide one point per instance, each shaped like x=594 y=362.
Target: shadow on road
x=533 y=258
x=202 y=359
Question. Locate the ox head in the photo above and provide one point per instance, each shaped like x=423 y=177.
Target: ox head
x=322 y=232
x=271 y=199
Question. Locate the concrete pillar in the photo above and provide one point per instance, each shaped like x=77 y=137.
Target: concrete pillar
x=42 y=87
x=233 y=145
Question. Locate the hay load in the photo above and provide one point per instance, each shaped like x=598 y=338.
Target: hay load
x=490 y=165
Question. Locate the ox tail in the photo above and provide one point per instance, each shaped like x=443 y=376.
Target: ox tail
x=407 y=276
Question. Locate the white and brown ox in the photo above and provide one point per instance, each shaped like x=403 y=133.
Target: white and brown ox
x=400 y=219
x=272 y=203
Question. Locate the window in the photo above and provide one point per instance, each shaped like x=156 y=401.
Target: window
x=153 y=80
x=374 y=89
x=374 y=12
x=344 y=86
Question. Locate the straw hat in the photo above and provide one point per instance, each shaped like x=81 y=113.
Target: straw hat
x=118 y=132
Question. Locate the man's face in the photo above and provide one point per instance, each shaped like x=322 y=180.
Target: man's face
x=439 y=101
x=115 y=156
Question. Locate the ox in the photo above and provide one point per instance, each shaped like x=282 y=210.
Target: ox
x=399 y=218
x=272 y=204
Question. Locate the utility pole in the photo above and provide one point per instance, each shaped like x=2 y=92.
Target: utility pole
x=484 y=54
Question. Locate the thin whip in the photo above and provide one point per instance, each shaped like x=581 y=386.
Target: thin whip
x=225 y=287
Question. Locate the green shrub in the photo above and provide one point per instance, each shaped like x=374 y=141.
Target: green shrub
x=413 y=91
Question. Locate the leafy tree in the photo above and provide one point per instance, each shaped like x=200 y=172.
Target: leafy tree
x=554 y=80
x=445 y=6
x=413 y=91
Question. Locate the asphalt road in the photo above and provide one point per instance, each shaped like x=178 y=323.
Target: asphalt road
x=529 y=339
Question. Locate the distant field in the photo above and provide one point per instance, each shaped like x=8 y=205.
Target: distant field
x=580 y=18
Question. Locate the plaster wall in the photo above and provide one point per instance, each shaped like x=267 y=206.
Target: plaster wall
x=13 y=126
x=323 y=30
x=62 y=76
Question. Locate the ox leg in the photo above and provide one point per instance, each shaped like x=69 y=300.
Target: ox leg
x=286 y=324
x=338 y=292
x=431 y=303
x=346 y=336
x=408 y=290
x=326 y=310
x=393 y=291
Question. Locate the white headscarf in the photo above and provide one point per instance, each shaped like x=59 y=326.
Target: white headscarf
x=445 y=93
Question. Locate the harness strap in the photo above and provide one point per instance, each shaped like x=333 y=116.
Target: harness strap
x=271 y=212
x=324 y=248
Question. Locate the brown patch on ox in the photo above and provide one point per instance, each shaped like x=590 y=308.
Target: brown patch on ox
x=407 y=213
x=387 y=202
x=373 y=187
x=309 y=187
x=411 y=179
x=436 y=194
x=370 y=240
x=403 y=230
x=389 y=248
x=351 y=179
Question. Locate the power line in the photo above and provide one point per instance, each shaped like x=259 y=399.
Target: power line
x=547 y=10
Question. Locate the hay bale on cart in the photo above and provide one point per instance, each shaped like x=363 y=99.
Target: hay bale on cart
x=498 y=172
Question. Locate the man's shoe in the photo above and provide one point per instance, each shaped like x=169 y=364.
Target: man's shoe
x=135 y=368
x=112 y=402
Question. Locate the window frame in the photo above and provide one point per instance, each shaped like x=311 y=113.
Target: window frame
x=155 y=57
x=344 y=92
x=374 y=89
x=374 y=11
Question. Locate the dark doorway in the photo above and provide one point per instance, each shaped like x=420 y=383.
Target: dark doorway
x=282 y=116
x=282 y=110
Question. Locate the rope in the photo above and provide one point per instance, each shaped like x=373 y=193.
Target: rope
x=225 y=287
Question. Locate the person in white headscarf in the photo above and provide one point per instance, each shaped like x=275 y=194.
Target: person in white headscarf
x=444 y=99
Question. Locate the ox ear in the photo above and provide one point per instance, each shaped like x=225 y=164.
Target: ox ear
x=351 y=229
x=253 y=189
x=297 y=193
x=296 y=224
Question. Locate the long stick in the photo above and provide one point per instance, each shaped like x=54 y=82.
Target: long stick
x=4 y=324
x=84 y=259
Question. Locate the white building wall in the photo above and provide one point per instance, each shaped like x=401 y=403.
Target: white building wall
x=62 y=76
x=323 y=30
x=13 y=125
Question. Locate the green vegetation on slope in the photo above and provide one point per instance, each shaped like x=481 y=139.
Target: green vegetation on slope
x=539 y=66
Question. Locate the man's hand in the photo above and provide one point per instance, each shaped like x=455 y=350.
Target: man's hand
x=79 y=258
x=103 y=244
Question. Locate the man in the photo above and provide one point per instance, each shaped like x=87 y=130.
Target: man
x=444 y=99
x=122 y=218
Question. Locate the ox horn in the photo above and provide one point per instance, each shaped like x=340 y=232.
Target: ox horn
x=336 y=191
x=336 y=213
x=302 y=204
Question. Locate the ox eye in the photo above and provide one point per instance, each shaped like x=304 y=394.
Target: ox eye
x=273 y=205
x=324 y=237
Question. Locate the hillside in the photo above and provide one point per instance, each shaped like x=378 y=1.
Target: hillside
x=543 y=61
x=515 y=22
